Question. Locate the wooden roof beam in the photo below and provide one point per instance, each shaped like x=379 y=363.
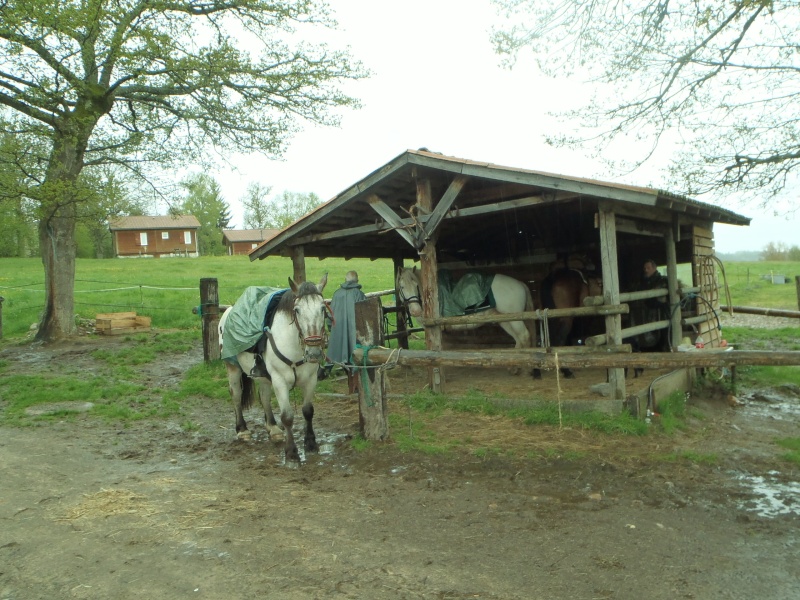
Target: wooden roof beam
x=391 y=217
x=443 y=206
x=453 y=213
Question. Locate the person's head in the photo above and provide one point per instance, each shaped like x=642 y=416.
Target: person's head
x=650 y=267
x=351 y=277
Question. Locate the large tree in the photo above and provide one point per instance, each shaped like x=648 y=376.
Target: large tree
x=137 y=83
x=721 y=77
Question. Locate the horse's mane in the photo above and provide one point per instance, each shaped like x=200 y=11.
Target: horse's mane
x=286 y=303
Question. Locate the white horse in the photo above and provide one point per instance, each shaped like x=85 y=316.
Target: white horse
x=511 y=296
x=294 y=349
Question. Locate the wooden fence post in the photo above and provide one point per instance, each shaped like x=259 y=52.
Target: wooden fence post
x=796 y=283
x=1 y=315
x=209 y=307
x=373 y=418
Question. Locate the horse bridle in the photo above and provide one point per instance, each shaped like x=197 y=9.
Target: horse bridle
x=315 y=341
x=406 y=301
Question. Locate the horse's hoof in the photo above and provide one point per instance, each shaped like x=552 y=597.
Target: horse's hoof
x=311 y=445
x=245 y=436
x=569 y=375
x=292 y=455
x=276 y=435
x=536 y=374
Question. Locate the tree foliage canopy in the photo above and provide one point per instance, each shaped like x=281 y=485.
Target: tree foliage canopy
x=724 y=75
x=164 y=81
x=204 y=200
x=134 y=84
x=285 y=209
x=256 y=206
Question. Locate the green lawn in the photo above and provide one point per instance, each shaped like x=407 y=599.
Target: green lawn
x=168 y=289
x=164 y=289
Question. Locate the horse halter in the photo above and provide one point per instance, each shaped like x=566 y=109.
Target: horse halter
x=408 y=300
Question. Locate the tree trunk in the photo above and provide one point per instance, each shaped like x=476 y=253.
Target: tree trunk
x=58 y=247
x=58 y=198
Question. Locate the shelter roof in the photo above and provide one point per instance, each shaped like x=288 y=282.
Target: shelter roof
x=494 y=206
x=141 y=222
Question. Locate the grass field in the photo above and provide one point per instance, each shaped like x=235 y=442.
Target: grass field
x=168 y=289
x=164 y=289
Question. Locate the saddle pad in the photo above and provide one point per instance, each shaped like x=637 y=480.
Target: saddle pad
x=247 y=318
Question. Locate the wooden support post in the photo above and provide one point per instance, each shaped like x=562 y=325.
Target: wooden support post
x=797 y=285
x=209 y=305
x=676 y=330
x=400 y=315
x=610 y=270
x=429 y=280
x=298 y=264
x=372 y=411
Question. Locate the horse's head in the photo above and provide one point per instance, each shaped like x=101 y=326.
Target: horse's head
x=309 y=317
x=408 y=290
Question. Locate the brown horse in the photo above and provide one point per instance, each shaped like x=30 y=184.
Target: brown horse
x=566 y=288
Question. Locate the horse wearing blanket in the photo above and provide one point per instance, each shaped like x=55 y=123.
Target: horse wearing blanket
x=509 y=296
x=291 y=350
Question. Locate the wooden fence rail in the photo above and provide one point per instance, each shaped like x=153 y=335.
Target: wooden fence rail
x=549 y=360
x=769 y=312
x=552 y=313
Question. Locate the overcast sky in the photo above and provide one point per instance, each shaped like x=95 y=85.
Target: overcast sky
x=437 y=84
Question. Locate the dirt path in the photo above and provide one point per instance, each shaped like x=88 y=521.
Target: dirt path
x=148 y=510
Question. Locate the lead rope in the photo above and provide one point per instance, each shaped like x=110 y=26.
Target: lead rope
x=558 y=392
x=390 y=363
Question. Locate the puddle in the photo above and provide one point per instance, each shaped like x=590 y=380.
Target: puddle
x=773 y=405
x=773 y=497
x=325 y=440
x=782 y=411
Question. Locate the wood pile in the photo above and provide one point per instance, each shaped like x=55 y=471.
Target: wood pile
x=121 y=323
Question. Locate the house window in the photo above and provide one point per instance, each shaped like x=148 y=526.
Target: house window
x=187 y=237
x=165 y=235
x=143 y=238
x=253 y=245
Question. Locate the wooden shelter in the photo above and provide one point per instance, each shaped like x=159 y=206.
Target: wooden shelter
x=155 y=237
x=468 y=215
x=243 y=241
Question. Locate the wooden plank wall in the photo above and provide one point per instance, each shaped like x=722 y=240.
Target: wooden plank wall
x=705 y=276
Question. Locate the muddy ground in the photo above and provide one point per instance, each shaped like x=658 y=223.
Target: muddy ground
x=149 y=509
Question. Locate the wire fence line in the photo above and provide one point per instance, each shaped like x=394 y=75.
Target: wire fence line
x=171 y=306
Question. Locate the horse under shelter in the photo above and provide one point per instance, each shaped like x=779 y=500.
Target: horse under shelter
x=463 y=216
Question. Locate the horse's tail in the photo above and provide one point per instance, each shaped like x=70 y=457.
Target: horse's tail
x=530 y=324
x=546 y=292
x=248 y=392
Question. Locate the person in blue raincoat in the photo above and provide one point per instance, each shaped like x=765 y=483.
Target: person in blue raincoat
x=343 y=327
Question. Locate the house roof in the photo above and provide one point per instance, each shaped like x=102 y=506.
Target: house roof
x=248 y=235
x=493 y=206
x=140 y=222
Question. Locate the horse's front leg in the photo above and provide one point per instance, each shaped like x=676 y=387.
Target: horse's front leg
x=265 y=393
x=235 y=376
x=308 y=386
x=282 y=389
